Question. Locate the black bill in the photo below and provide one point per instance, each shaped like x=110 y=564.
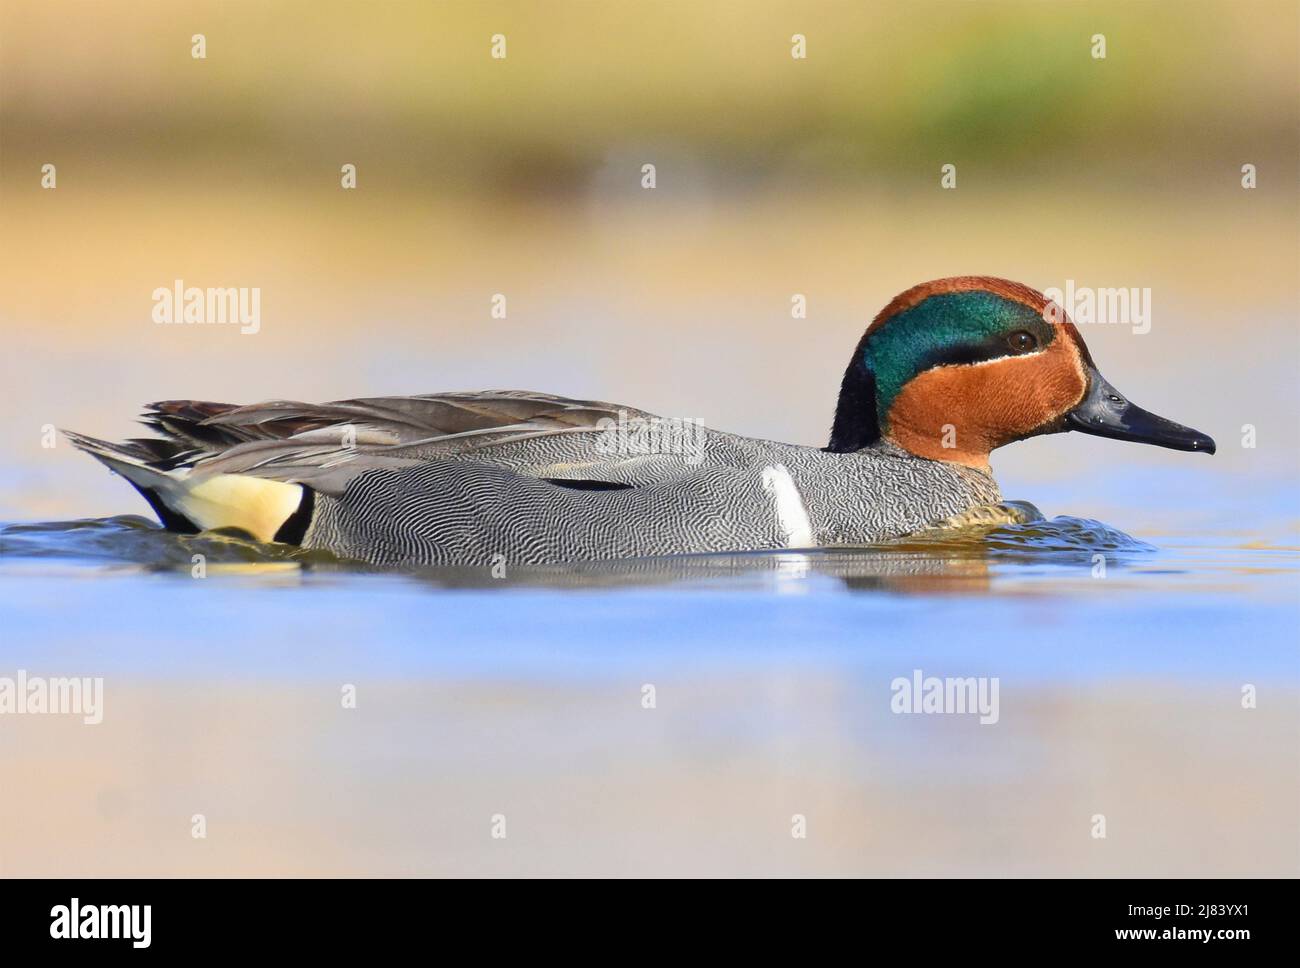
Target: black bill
x=1105 y=412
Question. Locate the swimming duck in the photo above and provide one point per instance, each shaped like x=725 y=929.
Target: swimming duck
x=946 y=373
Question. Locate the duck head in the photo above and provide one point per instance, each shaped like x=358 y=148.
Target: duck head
x=953 y=368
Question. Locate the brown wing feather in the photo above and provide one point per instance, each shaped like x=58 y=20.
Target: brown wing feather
x=395 y=420
x=325 y=444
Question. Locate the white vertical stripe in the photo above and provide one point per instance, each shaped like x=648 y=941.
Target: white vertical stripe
x=791 y=515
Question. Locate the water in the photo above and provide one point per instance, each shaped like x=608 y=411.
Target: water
x=1121 y=663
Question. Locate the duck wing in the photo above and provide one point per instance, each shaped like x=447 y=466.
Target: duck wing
x=325 y=445
x=466 y=417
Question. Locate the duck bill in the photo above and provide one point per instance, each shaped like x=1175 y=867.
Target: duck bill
x=1105 y=412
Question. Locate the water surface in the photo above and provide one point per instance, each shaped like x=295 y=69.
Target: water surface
x=1121 y=663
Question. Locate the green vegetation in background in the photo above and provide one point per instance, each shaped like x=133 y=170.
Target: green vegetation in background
x=885 y=86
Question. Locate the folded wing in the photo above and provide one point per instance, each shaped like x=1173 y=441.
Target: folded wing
x=326 y=445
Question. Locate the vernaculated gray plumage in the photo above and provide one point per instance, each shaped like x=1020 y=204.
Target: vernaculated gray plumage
x=529 y=478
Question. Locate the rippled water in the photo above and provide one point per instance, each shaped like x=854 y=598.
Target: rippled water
x=134 y=540
x=956 y=560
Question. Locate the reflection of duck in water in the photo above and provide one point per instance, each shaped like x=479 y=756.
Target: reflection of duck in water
x=947 y=372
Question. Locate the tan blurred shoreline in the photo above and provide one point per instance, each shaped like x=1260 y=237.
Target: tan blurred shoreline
x=290 y=784
x=70 y=260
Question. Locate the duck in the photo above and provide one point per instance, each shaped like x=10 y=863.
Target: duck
x=947 y=372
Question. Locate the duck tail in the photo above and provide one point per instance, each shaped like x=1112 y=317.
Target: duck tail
x=187 y=502
x=128 y=459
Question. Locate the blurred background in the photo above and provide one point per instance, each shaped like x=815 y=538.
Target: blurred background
x=522 y=176
x=775 y=176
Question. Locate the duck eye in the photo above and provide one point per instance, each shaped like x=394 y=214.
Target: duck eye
x=1022 y=341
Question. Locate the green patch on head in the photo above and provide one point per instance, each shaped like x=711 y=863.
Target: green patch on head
x=945 y=330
